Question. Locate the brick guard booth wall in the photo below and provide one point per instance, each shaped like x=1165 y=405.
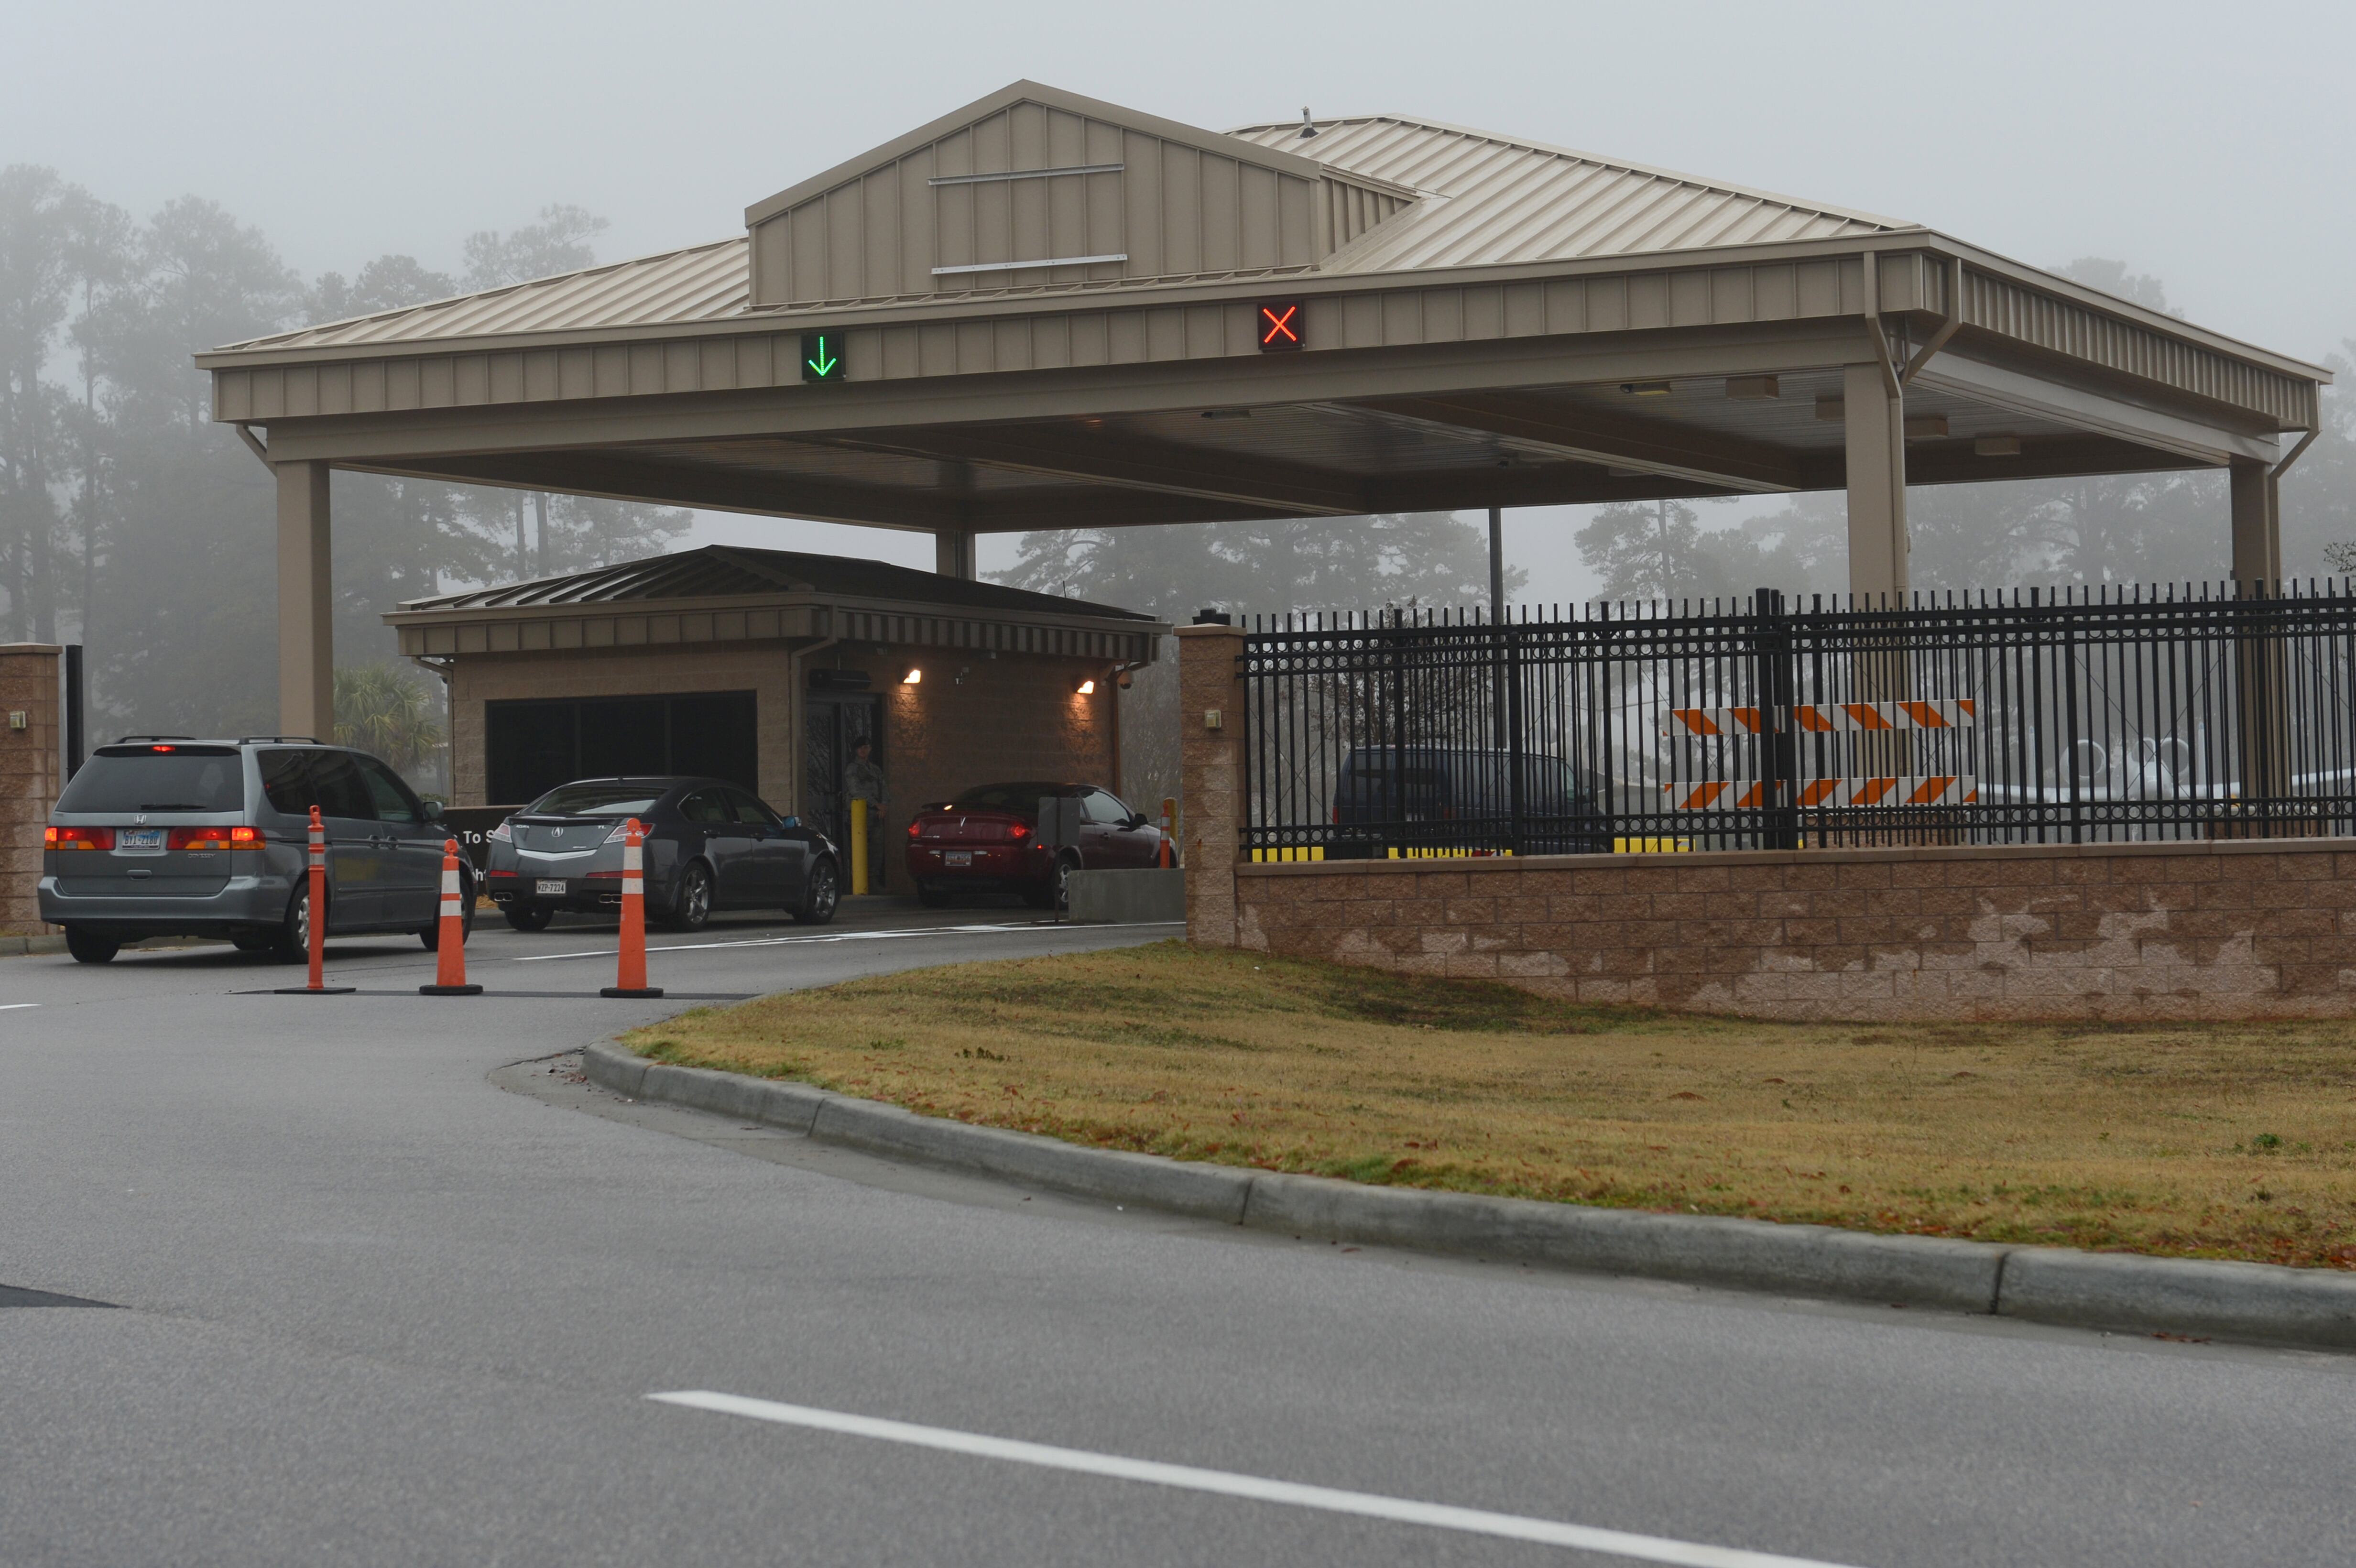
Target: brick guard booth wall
x=30 y=762
x=2221 y=929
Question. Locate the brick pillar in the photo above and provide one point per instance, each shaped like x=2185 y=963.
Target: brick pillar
x=28 y=776
x=1211 y=770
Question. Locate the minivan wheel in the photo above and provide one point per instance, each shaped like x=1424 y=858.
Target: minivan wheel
x=89 y=947
x=529 y=917
x=294 y=937
x=820 y=895
x=253 y=939
x=693 y=906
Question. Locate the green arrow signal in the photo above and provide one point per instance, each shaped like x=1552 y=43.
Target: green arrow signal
x=826 y=363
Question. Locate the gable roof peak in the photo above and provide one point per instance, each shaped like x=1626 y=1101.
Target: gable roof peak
x=1040 y=93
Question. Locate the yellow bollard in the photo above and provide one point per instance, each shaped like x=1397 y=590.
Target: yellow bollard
x=858 y=848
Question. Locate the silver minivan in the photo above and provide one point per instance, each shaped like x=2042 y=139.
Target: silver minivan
x=166 y=836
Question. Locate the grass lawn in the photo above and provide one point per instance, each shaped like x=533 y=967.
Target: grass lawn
x=2199 y=1140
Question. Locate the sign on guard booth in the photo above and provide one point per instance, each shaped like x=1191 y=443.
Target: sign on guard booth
x=1282 y=326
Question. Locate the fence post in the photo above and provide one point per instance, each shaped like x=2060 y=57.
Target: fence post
x=1779 y=742
x=1211 y=719
x=1516 y=788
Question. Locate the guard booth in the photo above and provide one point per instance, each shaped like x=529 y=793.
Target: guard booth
x=769 y=668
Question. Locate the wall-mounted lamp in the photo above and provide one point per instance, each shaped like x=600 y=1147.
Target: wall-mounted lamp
x=913 y=678
x=1086 y=687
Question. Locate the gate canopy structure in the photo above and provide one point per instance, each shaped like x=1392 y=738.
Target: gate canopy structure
x=1043 y=311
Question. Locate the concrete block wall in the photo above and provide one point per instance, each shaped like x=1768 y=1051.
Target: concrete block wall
x=2118 y=932
x=1013 y=717
x=31 y=764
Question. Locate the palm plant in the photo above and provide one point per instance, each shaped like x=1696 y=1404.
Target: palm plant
x=390 y=711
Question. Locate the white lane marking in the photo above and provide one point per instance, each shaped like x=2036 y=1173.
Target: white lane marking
x=1258 y=1488
x=831 y=937
x=12 y=1007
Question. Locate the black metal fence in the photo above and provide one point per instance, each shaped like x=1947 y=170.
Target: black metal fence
x=2033 y=717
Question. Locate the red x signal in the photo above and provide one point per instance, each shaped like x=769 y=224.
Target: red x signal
x=1280 y=326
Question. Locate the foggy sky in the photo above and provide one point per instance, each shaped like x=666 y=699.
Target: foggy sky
x=2206 y=144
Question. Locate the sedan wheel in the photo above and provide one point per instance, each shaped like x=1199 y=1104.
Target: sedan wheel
x=529 y=917
x=694 y=908
x=823 y=891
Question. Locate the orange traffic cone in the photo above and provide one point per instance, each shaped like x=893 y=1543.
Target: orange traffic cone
x=632 y=979
x=316 y=917
x=450 y=940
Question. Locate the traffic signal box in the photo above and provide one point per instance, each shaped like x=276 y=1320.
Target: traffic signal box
x=822 y=357
x=1282 y=325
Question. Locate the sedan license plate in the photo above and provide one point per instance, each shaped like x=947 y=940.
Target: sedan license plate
x=550 y=885
x=136 y=839
x=953 y=858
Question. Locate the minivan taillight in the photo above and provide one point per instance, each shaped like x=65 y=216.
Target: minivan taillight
x=78 y=838
x=214 y=839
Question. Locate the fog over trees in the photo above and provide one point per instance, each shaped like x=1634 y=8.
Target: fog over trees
x=132 y=523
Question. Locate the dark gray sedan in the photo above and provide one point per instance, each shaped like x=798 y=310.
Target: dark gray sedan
x=710 y=845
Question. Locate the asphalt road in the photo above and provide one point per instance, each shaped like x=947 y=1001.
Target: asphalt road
x=390 y=1286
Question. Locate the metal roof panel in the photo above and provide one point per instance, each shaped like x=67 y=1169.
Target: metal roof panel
x=1511 y=200
x=718 y=572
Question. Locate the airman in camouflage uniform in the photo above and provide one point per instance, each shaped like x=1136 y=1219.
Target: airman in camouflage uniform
x=862 y=778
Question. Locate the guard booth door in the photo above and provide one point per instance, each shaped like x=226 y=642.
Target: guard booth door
x=836 y=723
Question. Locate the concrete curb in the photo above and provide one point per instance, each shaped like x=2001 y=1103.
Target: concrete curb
x=2260 y=1302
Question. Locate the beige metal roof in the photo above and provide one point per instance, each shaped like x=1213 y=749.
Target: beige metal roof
x=1489 y=199
x=704 y=283
x=1493 y=200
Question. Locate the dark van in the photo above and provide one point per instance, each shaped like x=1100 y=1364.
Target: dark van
x=1458 y=801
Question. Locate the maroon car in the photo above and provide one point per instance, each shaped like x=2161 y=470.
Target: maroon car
x=986 y=840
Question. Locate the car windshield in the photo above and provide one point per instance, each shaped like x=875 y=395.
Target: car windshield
x=1015 y=797
x=620 y=798
x=145 y=778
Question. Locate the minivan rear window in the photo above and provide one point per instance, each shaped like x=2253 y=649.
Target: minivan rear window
x=152 y=778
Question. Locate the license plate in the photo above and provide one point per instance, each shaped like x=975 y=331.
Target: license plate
x=139 y=838
x=549 y=885
x=955 y=858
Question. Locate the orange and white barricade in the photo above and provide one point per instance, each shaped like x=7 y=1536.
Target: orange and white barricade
x=450 y=934
x=631 y=978
x=1823 y=718
x=1818 y=795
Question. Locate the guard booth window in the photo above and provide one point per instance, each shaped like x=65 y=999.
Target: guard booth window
x=536 y=745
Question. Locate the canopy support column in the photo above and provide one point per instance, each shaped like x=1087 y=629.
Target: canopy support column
x=1874 y=419
x=953 y=553
x=2257 y=526
x=2259 y=672
x=307 y=655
